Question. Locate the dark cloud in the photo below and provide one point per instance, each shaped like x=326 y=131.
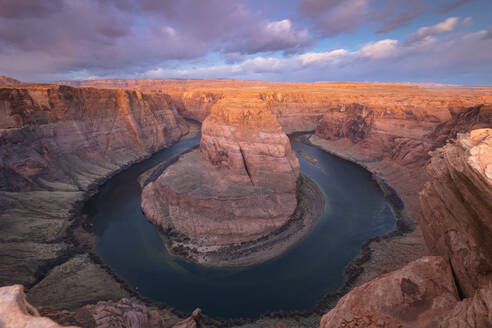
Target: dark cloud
x=333 y=17
x=452 y=4
x=28 y=8
x=107 y=36
x=396 y=14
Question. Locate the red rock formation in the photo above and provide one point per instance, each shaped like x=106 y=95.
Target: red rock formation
x=53 y=134
x=240 y=186
x=421 y=294
x=16 y=312
x=57 y=142
x=457 y=208
x=5 y=80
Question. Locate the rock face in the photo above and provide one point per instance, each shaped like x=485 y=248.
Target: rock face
x=5 y=80
x=457 y=208
x=239 y=186
x=61 y=138
x=421 y=294
x=15 y=312
x=456 y=221
x=56 y=144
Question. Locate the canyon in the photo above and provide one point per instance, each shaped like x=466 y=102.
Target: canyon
x=59 y=142
x=239 y=186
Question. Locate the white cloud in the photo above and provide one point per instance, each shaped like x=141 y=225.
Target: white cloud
x=322 y=57
x=380 y=49
x=430 y=31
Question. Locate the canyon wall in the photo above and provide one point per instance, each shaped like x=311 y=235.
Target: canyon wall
x=453 y=289
x=57 y=144
x=457 y=208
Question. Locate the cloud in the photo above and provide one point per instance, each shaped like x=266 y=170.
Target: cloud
x=267 y=36
x=332 y=17
x=396 y=14
x=447 y=59
x=468 y=21
x=332 y=56
x=43 y=39
x=380 y=49
x=430 y=31
x=451 y=5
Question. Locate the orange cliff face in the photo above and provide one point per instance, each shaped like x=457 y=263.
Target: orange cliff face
x=55 y=134
x=239 y=186
x=243 y=137
x=57 y=143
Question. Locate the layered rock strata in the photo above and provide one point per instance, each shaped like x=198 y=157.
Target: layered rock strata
x=451 y=290
x=457 y=208
x=239 y=186
x=57 y=144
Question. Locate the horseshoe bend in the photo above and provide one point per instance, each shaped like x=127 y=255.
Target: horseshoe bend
x=245 y=178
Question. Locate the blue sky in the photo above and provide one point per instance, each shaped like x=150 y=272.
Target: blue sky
x=447 y=41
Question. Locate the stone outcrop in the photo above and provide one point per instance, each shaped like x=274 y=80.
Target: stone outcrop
x=16 y=312
x=421 y=294
x=457 y=208
x=5 y=80
x=57 y=144
x=239 y=186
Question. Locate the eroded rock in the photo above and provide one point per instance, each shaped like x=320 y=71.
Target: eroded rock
x=16 y=312
x=239 y=186
x=457 y=207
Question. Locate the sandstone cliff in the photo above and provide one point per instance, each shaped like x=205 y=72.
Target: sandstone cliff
x=239 y=186
x=457 y=208
x=89 y=133
x=457 y=223
x=57 y=143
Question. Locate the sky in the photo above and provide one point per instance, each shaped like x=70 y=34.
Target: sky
x=443 y=41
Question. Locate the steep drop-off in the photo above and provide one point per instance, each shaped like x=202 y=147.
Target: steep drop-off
x=57 y=143
x=456 y=222
x=457 y=208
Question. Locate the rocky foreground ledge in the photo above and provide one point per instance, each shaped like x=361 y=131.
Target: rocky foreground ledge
x=239 y=187
x=16 y=312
